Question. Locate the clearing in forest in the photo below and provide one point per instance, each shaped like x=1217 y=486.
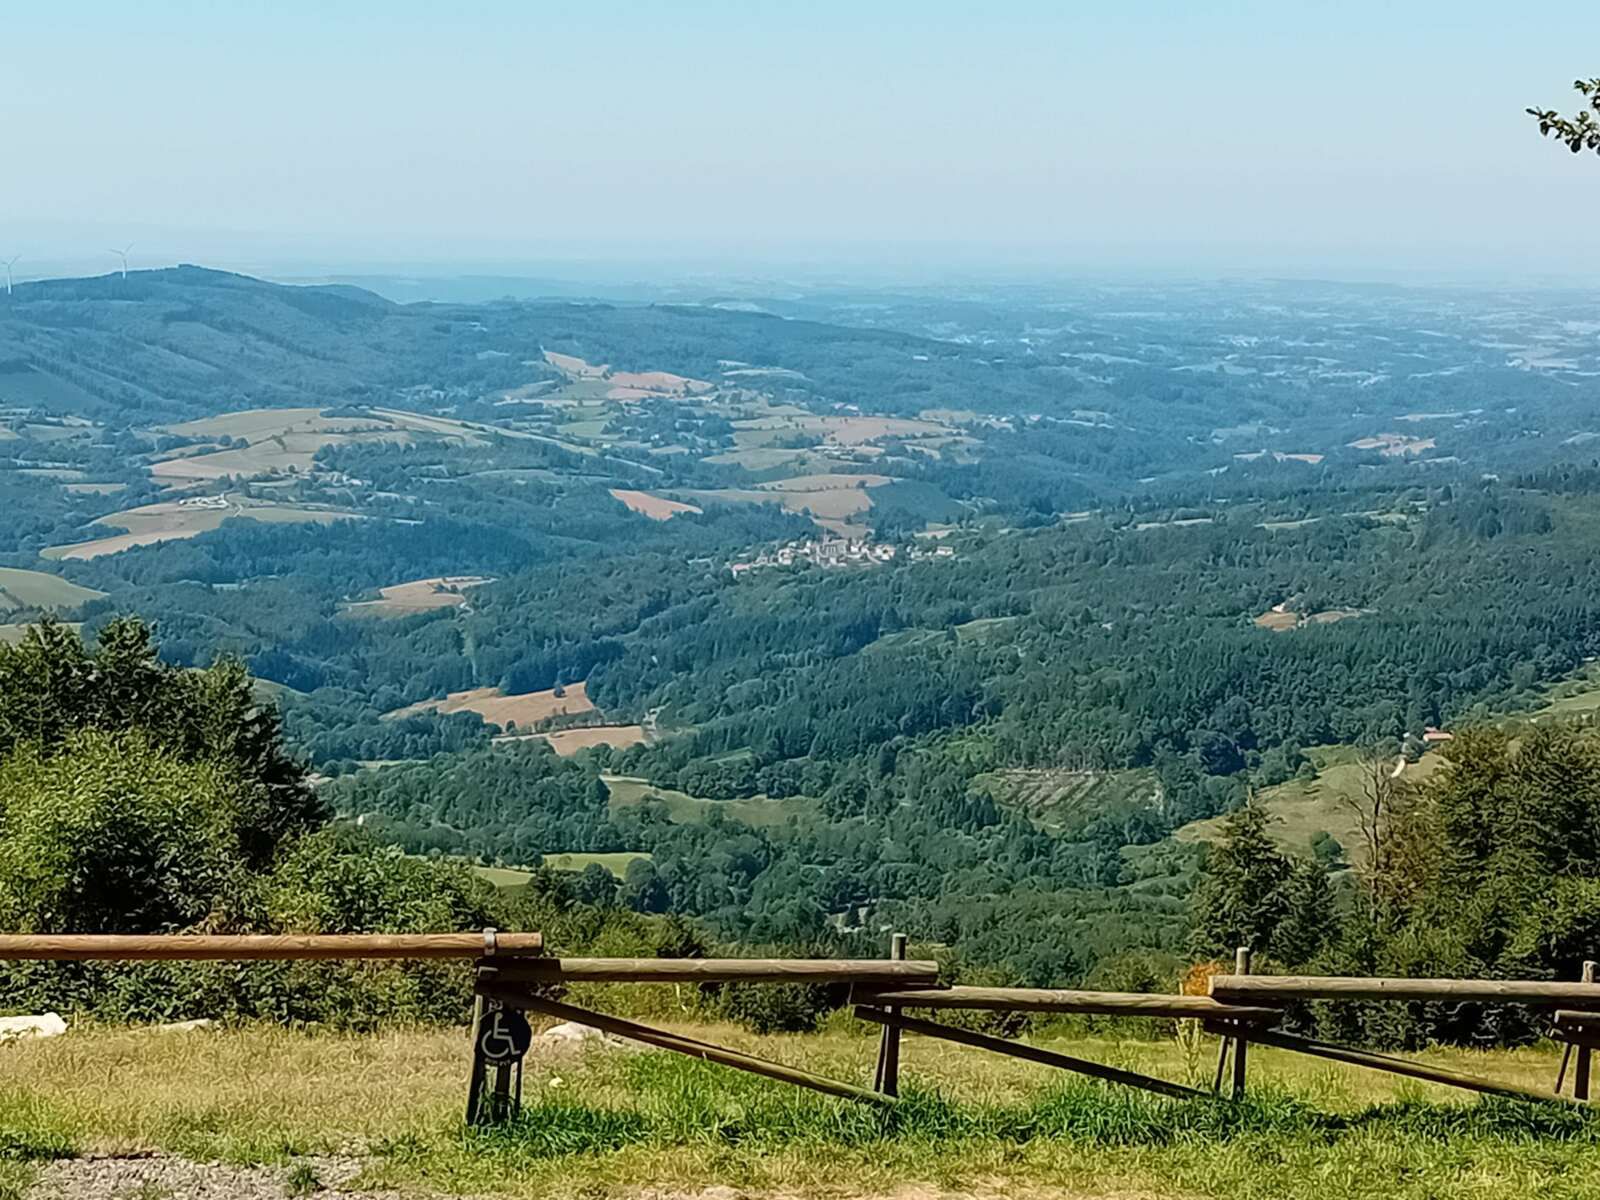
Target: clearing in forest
x=1059 y=800
x=420 y=595
x=567 y=742
x=497 y=708
x=12 y=635
x=1306 y=807
x=858 y=432
x=1280 y=619
x=657 y=508
x=824 y=505
x=683 y=809
x=1393 y=445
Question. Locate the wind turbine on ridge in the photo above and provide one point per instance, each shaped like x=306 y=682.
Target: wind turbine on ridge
x=123 y=255
x=10 y=262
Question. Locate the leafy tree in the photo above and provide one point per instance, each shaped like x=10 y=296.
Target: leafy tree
x=52 y=685
x=114 y=834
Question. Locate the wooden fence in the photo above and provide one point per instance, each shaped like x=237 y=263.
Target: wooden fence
x=512 y=978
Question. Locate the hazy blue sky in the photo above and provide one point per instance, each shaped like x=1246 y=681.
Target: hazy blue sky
x=1194 y=135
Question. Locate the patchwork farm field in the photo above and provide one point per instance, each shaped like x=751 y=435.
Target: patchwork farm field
x=170 y=521
x=281 y=440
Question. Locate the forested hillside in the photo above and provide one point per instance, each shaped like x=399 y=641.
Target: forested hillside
x=977 y=617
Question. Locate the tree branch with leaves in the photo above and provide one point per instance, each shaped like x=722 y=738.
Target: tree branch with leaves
x=1581 y=131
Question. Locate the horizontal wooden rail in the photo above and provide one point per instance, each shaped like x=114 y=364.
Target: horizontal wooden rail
x=1382 y=1062
x=1049 y=1058
x=1111 y=1004
x=1282 y=989
x=709 y=970
x=185 y=947
x=666 y=1040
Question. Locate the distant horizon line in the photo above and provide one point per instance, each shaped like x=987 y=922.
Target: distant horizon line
x=748 y=279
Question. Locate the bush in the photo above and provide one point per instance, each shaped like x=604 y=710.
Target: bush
x=779 y=1008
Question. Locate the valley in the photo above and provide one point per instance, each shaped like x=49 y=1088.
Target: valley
x=939 y=612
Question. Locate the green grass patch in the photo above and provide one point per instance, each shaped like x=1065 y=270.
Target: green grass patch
x=757 y=811
x=1306 y=807
x=750 y=1133
x=38 y=589
x=1575 y=697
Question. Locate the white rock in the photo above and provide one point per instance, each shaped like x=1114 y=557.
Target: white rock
x=185 y=1026
x=569 y=1035
x=46 y=1025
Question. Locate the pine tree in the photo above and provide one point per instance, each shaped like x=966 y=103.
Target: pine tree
x=1240 y=899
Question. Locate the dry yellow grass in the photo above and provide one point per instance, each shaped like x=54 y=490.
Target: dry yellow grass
x=169 y=521
x=627 y=385
x=657 y=508
x=497 y=708
x=567 y=742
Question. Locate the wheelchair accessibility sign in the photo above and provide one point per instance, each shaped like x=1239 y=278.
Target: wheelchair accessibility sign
x=503 y=1036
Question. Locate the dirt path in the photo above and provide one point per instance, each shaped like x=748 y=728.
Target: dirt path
x=162 y=1177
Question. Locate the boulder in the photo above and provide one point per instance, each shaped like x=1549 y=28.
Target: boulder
x=569 y=1035
x=42 y=1026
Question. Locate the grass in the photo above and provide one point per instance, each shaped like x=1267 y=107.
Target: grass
x=617 y=863
x=37 y=589
x=684 y=809
x=510 y=877
x=608 y=1124
x=1305 y=807
x=1575 y=697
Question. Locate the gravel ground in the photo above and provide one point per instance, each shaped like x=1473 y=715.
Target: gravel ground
x=162 y=1177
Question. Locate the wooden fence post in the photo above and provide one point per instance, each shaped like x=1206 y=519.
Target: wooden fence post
x=1241 y=966
x=887 y=1078
x=1580 y=1077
